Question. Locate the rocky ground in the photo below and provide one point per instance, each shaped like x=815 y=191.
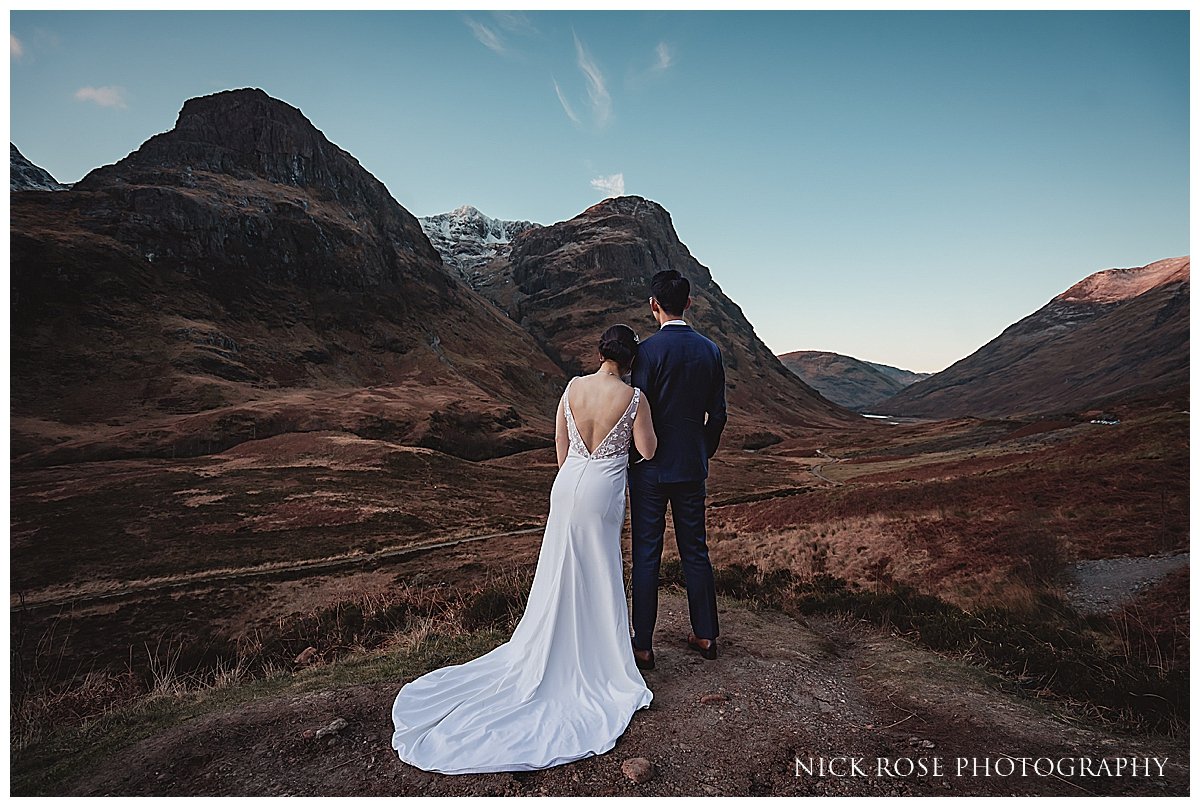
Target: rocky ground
x=783 y=689
x=1099 y=586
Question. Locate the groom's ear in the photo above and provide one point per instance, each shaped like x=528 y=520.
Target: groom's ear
x=688 y=304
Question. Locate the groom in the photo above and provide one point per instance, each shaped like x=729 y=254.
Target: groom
x=682 y=376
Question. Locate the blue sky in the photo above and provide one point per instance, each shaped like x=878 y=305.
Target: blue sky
x=897 y=186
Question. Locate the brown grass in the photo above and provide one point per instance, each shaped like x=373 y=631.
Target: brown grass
x=1155 y=627
x=963 y=560
x=401 y=619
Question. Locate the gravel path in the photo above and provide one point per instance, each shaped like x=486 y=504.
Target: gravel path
x=1102 y=585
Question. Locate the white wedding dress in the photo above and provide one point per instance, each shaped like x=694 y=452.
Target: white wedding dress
x=565 y=686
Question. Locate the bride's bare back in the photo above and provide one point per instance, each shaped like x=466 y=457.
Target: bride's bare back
x=597 y=402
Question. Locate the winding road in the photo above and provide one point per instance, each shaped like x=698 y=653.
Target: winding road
x=816 y=469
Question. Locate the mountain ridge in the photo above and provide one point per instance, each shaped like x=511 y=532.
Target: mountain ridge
x=567 y=281
x=467 y=239
x=25 y=176
x=851 y=382
x=240 y=276
x=213 y=286
x=1117 y=332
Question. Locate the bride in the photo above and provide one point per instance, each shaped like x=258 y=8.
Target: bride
x=565 y=686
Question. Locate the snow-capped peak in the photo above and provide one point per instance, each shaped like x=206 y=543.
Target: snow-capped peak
x=467 y=239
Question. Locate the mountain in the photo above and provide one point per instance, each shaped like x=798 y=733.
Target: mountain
x=1116 y=333
x=466 y=239
x=845 y=380
x=566 y=282
x=901 y=377
x=25 y=176
x=240 y=276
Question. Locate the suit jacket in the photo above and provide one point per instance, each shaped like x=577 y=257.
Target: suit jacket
x=683 y=378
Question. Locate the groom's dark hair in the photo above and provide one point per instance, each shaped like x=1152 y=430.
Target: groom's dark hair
x=671 y=289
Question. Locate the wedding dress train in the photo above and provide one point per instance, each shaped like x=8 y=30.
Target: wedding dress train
x=565 y=686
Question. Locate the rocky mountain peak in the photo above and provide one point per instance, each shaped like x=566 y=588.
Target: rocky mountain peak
x=234 y=260
x=625 y=205
x=1115 y=285
x=467 y=239
x=247 y=134
x=1117 y=332
x=638 y=208
x=255 y=171
x=25 y=176
x=568 y=281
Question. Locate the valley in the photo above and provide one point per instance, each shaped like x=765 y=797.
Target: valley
x=277 y=445
x=958 y=510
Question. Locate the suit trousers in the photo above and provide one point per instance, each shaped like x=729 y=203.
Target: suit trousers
x=648 y=499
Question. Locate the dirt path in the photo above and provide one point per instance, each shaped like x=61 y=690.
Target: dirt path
x=305 y=568
x=816 y=469
x=1102 y=585
x=821 y=687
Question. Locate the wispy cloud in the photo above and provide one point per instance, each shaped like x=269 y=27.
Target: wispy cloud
x=514 y=21
x=32 y=43
x=612 y=185
x=103 y=96
x=487 y=36
x=562 y=99
x=665 y=58
x=596 y=86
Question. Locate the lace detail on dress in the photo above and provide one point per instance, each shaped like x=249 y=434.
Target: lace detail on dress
x=615 y=443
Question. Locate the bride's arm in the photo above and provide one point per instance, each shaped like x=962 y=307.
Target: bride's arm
x=644 y=438
x=561 y=441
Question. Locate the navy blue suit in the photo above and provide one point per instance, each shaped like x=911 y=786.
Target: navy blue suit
x=682 y=376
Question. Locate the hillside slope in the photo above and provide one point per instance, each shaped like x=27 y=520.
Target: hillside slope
x=1116 y=333
x=25 y=176
x=566 y=282
x=845 y=380
x=239 y=276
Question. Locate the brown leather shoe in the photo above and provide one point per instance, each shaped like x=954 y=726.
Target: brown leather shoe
x=705 y=647
x=644 y=659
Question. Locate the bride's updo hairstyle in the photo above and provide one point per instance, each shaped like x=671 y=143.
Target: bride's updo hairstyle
x=620 y=344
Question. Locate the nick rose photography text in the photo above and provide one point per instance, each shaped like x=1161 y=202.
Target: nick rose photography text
x=842 y=766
